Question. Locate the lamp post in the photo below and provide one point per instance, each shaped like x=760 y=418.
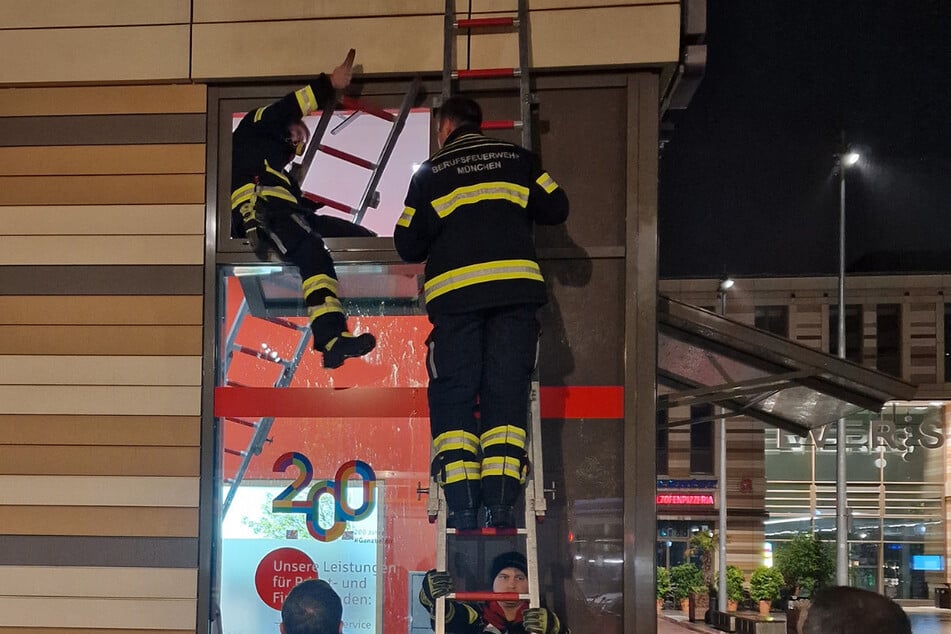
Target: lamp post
x=725 y=284
x=844 y=160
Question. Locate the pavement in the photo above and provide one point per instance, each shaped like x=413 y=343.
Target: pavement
x=924 y=620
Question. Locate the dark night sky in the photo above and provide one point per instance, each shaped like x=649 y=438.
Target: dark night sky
x=746 y=183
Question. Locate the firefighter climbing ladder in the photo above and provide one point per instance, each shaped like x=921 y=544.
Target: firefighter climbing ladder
x=371 y=197
x=535 y=506
x=262 y=426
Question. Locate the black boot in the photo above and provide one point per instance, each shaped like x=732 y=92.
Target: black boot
x=463 y=520
x=500 y=517
x=341 y=348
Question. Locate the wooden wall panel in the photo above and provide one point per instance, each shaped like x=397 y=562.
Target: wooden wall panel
x=124 y=53
x=103 y=159
x=99 y=370
x=101 y=310
x=45 y=14
x=109 y=461
x=98 y=491
x=85 y=520
x=101 y=340
x=99 y=430
x=82 y=581
x=95 y=399
x=103 y=100
x=102 y=250
x=55 y=612
x=102 y=190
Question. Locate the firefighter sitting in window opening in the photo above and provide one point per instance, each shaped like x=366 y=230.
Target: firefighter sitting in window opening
x=469 y=214
x=267 y=208
x=508 y=573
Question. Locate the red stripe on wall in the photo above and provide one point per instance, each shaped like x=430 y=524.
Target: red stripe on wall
x=598 y=402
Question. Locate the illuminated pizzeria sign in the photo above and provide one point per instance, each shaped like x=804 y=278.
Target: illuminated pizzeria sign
x=685 y=500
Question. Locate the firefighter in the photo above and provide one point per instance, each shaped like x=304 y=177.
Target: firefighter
x=508 y=573
x=469 y=214
x=267 y=207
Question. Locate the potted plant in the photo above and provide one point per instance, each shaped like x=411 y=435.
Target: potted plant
x=734 y=587
x=686 y=578
x=807 y=563
x=765 y=586
x=663 y=586
x=702 y=545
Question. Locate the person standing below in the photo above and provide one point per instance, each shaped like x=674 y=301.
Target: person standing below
x=469 y=215
x=507 y=574
x=268 y=208
x=312 y=607
x=845 y=610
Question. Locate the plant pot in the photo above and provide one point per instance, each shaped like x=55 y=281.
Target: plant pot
x=660 y=605
x=685 y=605
x=764 y=607
x=731 y=606
x=699 y=602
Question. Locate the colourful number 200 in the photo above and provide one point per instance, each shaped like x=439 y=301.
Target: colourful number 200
x=336 y=488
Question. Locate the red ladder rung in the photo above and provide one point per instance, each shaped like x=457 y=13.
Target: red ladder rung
x=355 y=104
x=345 y=156
x=347 y=209
x=485 y=73
x=235 y=452
x=277 y=321
x=501 y=125
x=241 y=421
x=485 y=23
x=260 y=354
x=486 y=532
x=231 y=383
x=489 y=596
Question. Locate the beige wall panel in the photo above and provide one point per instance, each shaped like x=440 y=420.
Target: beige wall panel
x=126 y=53
x=82 y=581
x=82 y=100
x=101 y=310
x=60 y=370
x=56 y=13
x=75 y=630
x=625 y=35
x=42 y=612
x=94 y=399
x=102 y=220
x=122 y=431
x=101 y=340
x=97 y=491
x=170 y=158
x=102 y=190
x=99 y=461
x=26 y=250
x=101 y=521
x=267 y=49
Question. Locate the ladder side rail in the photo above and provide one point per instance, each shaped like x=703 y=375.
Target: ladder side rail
x=322 y=124
x=408 y=100
x=537 y=474
x=243 y=311
x=531 y=520
x=441 y=559
x=524 y=79
x=449 y=40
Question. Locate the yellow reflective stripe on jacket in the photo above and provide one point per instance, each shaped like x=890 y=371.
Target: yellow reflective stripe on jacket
x=502 y=466
x=407 y=217
x=447 y=441
x=277 y=173
x=504 y=435
x=547 y=183
x=242 y=195
x=496 y=190
x=330 y=305
x=317 y=282
x=462 y=470
x=480 y=273
x=259 y=113
x=278 y=192
x=306 y=99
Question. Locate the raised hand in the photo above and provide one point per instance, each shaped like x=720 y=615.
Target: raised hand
x=341 y=76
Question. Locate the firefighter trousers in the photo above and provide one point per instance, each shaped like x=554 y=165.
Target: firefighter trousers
x=482 y=360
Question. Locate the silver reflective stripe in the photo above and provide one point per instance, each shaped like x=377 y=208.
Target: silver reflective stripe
x=432 y=360
x=511 y=192
x=478 y=273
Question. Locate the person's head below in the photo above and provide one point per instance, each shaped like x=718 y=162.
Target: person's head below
x=509 y=573
x=456 y=112
x=296 y=138
x=843 y=610
x=312 y=607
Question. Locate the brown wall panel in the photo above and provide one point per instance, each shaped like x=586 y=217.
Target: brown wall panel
x=122 y=340
x=103 y=159
x=93 y=250
x=101 y=280
x=79 y=520
x=126 y=53
x=101 y=310
x=102 y=130
x=75 y=630
x=55 y=13
x=79 y=460
x=122 y=431
x=43 y=550
x=102 y=220
x=99 y=100
x=102 y=190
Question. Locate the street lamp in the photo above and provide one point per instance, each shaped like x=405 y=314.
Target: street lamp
x=847 y=158
x=726 y=283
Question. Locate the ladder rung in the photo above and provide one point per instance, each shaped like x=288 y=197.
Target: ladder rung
x=277 y=321
x=485 y=73
x=501 y=125
x=345 y=156
x=347 y=209
x=487 y=532
x=355 y=104
x=488 y=596
x=241 y=421
x=231 y=383
x=257 y=353
x=475 y=23
x=235 y=452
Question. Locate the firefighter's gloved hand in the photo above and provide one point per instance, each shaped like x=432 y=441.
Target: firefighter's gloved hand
x=254 y=227
x=435 y=584
x=541 y=621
